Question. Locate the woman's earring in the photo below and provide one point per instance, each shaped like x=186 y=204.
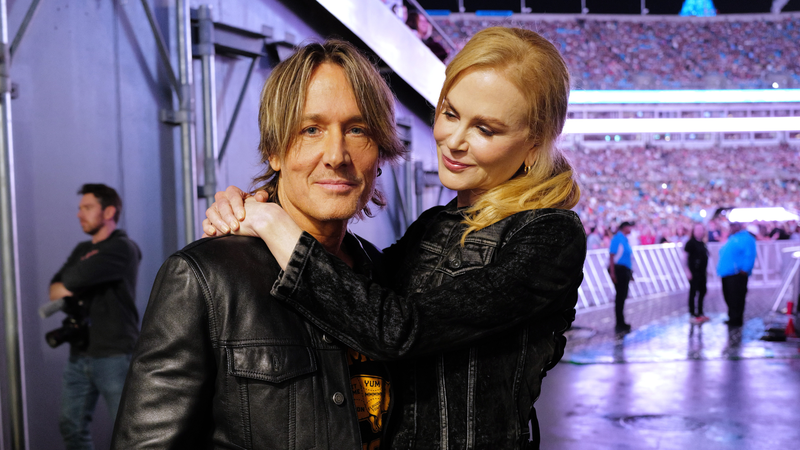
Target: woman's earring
x=379 y=171
x=527 y=169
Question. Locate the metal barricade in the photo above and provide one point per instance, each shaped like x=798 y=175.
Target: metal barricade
x=658 y=270
x=789 y=290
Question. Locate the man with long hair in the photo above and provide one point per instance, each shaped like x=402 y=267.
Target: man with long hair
x=220 y=362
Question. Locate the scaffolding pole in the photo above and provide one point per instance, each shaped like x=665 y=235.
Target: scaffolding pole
x=205 y=47
x=10 y=257
x=23 y=27
x=186 y=118
x=163 y=52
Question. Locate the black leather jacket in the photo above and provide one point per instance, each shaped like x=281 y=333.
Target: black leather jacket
x=472 y=329
x=220 y=364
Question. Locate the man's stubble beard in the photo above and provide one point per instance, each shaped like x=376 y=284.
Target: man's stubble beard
x=94 y=230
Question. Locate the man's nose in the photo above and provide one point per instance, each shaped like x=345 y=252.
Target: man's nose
x=336 y=150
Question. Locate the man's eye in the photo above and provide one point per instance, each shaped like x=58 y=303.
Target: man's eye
x=358 y=131
x=311 y=131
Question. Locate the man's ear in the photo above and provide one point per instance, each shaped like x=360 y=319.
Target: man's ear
x=275 y=163
x=109 y=212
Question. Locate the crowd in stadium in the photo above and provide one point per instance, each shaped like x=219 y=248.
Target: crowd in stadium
x=665 y=190
x=613 y=54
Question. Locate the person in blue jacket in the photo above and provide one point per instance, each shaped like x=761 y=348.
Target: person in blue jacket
x=621 y=272
x=736 y=260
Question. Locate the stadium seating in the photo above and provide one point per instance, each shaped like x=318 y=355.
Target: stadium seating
x=753 y=52
x=666 y=190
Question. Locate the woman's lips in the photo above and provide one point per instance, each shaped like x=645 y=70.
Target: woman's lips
x=454 y=166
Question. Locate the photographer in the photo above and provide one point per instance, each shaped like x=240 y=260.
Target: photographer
x=99 y=277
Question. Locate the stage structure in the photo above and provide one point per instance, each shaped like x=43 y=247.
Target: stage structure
x=16 y=409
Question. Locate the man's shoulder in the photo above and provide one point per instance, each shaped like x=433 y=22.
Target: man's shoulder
x=119 y=241
x=219 y=246
x=229 y=255
x=742 y=238
x=82 y=246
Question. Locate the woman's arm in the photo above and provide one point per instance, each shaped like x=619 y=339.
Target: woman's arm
x=534 y=276
x=267 y=221
x=237 y=212
x=166 y=402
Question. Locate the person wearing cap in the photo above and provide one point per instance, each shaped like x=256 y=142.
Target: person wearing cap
x=620 y=269
x=736 y=260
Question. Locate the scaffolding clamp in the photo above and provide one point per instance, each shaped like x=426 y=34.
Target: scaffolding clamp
x=5 y=60
x=175 y=117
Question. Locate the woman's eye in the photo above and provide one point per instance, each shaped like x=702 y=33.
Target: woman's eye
x=485 y=131
x=449 y=114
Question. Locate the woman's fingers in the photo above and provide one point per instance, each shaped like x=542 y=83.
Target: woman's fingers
x=224 y=202
x=215 y=222
x=235 y=198
x=261 y=196
x=225 y=215
x=208 y=229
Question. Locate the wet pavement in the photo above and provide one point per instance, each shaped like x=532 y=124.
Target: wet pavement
x=670 y=384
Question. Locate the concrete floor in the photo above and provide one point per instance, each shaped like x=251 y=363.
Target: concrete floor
x=672 y=385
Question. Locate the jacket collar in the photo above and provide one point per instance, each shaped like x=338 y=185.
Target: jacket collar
x=452 y=208
x=362 y=263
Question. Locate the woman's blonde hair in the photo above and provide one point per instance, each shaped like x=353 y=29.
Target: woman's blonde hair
x=536 y=68
x=284 y=95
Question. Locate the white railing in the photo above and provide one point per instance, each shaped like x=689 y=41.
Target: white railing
x=790 y=287
x=658 y=270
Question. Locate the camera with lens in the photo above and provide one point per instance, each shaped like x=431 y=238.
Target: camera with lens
x=75 y=327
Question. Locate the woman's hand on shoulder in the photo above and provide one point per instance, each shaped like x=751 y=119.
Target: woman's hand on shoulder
x=237 y=212
x=273 y=225
x=227 y=211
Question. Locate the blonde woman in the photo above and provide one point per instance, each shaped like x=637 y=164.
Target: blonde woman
x=477 y=293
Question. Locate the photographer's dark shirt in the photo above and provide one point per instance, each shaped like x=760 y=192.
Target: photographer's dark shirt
x=105 y=274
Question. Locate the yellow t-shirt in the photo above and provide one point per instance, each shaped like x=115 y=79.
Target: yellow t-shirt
x=371 y=393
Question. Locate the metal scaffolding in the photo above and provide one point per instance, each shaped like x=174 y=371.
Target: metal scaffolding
x=211 y=38
x=15 y=360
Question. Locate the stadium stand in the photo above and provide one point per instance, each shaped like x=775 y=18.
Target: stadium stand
x=652 y=52
x=666 y=189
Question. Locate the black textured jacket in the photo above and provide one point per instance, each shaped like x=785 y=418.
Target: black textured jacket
x=105 y=274
x=220 y=364
x=472 y=329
